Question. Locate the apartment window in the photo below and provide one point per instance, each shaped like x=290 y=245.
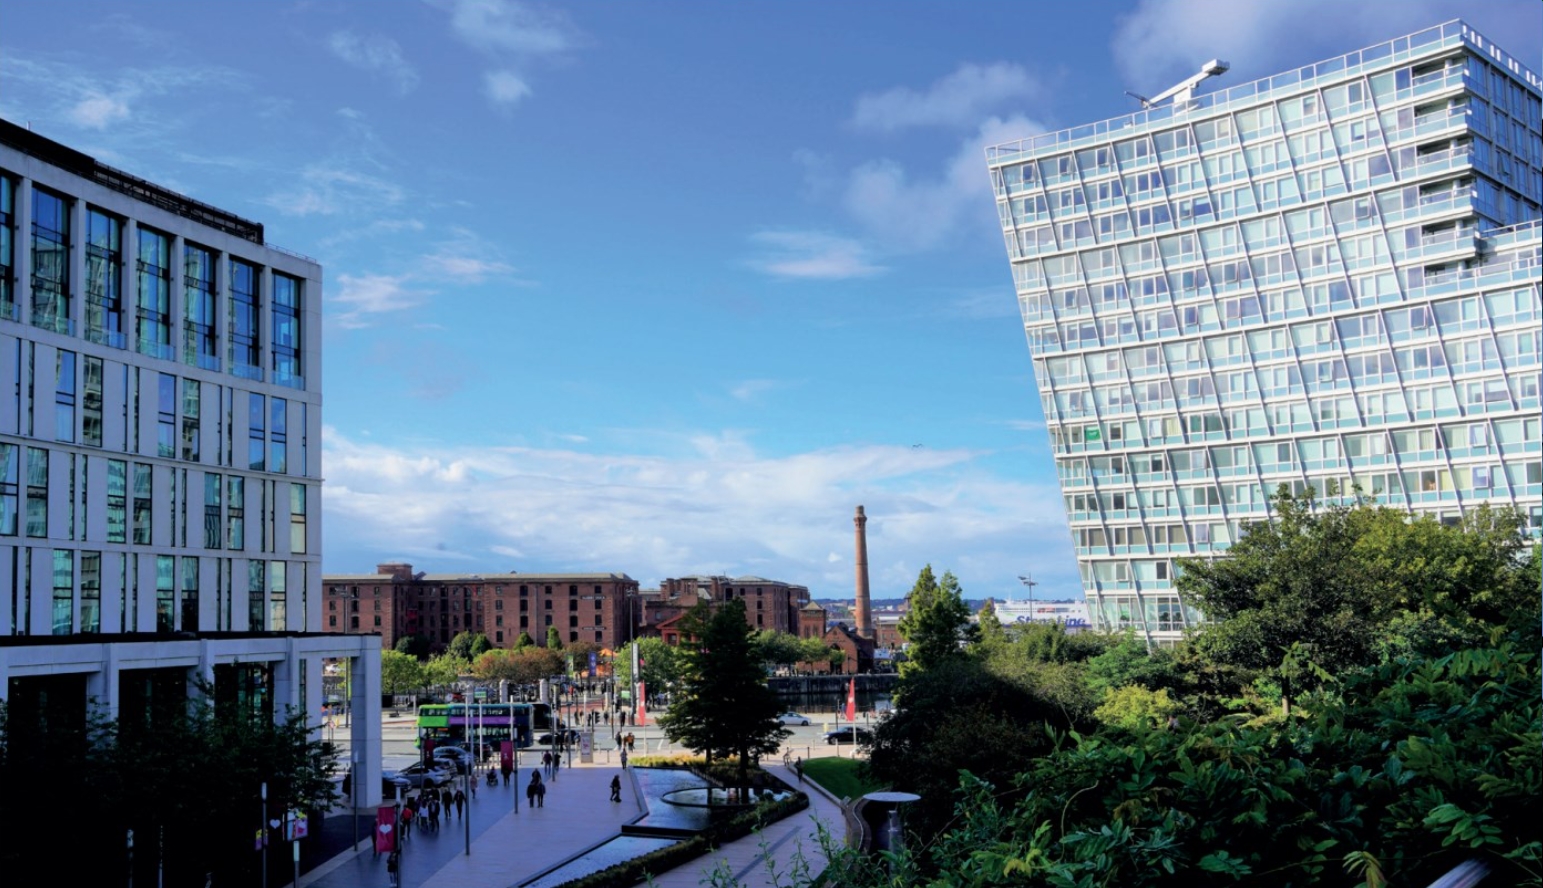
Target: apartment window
x=64 y=592
x=154 y=314
x=192 y=406
x=277 y=596
x=212 y=531
x=297 y=519
x=142 y=503
x=64 y=396
x=37 y=492
x=117 y=501
x=10 y=498
x=165 y=593
x=7 y=248
x=286 y=331
x=189 y=608
x=256 y=584
x=91 y=592
x=305 y=461
x=91 y=404
x=278 y=436
x=50 y=261
x=104 y=278
x=235 y=513
x=256 y=434
x=1481 y=478
x=166 y=416
x=245 y=348
x=200 y=341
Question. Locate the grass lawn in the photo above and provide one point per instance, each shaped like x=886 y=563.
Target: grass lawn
x=839 y=776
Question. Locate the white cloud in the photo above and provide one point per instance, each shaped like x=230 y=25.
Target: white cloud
x=1161 y=42
x=508 y=26
x=504 y=87
x=922 y=214
x=327 y=189
x=377 y=54
x=469 y=269
x=96 y=111
x=960 y=99
x=751 y=388
x=370 y=294
x=812 y=254
x=718 y=507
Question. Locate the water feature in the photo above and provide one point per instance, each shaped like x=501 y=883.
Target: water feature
x=608 y=854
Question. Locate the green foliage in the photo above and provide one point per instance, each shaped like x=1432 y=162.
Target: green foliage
x=525 y=665
x=468 y=646
x=844 y=778
x=775 y=648
x=1133 y=708
x=722 y=704
x=416 y=646
x=992 y=635
x=936 y=625
x=523 y=640
x=444 y=670
x=400 y=673
x=1128 y=662
x=554 y=639
x=661 y=664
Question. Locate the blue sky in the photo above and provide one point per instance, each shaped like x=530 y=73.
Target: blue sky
x=663 y=288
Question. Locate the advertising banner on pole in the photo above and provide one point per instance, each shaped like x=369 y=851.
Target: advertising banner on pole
x=385 y=829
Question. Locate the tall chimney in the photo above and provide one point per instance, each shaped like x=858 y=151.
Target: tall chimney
x=864 y=609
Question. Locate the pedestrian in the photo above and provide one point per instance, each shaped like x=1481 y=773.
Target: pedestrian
x=406 y=825
x=446 y=801
x=434 y=810
x=631 y=741
x=546 y=762
x=557 y=762
x=506 y=768
x=616 y=788
x=624 y=759
x=618 y=740
x=535 y=790
x=460 y=803
x=394 y=867
x=798 y=768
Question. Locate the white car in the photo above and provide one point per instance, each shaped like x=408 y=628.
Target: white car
x=793 y=718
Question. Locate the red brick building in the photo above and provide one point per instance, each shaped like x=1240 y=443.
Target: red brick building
x=395 y=602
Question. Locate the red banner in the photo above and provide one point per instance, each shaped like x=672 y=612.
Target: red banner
x=506 y=755
x=852 y=700
x=642 y=718
x=385 y=829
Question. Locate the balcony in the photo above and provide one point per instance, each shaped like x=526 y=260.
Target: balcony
x=156 y=349
x=56 y=323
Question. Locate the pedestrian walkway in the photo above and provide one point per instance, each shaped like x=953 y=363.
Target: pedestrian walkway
x=509 y=847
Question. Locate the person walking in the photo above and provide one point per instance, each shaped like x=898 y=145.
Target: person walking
x=557 y=763
x=624 y=759
x=535 y=791
x=460 y=804
x=546 y=762
x=616 y=788
x=798 y=768
x=394 y=867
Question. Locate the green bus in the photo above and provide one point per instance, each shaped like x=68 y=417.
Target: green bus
x=469 y=724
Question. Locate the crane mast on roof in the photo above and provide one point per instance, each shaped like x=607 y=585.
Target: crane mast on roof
x=1185 y=90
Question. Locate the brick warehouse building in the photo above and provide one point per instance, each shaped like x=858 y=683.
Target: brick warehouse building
x=398 y=603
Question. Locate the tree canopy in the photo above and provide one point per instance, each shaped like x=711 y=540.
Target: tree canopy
x=722 y=704
x=937 y=623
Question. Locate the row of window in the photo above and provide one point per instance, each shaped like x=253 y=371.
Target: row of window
x=250 y=595
x=102 y=403
x=146 y=325
x=127 y=500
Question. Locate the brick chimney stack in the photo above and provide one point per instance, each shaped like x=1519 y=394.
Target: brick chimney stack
x=864 y=608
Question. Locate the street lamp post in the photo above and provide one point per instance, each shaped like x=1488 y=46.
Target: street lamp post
x=1029 y=581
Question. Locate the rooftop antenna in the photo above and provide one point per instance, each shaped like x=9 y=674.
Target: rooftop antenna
x=1185 y=90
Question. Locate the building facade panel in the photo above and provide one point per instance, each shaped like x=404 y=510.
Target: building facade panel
x=1325 y=279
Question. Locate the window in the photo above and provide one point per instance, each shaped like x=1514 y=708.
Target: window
x=256 y=585
x=277 y=596
x=50 y=261
x=278 y=437
x=37 y=492
x=200 y=341
x=64 y=592
x=165 y=593
x=7 y=248
x=235 y=513
x=1481 y=478
x=142 y=503
x=256 y=431
x=191 y=408
x=245 y=348
x=286 y=331
x=189 y=609
x=166 y=416
x=91 y=404
x=154 y=316
x=91 y=592
x=64 y=396
x=10 y=501
x=104 y=278
x=297 y=521
x=117 y=501
x=212 y=530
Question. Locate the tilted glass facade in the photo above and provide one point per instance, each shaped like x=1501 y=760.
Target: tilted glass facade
x=1326 y=278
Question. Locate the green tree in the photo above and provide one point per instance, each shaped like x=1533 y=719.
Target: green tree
x=937 y=624
x=525 y=665
x=722 y=704
x=661 y=665
x=468 y=645
x=523 y=640
x=400 y=673
x=992 y=635
x=554 y=639
x=775 y=648
x=445 y=670
x=413 y=645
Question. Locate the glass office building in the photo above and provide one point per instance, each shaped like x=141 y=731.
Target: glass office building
x=1328 y=278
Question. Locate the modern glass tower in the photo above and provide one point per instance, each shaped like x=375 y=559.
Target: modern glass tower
x=1325 y=278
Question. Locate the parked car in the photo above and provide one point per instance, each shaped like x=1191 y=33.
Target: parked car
x=420 y=777
x=849 y=734
x=392 y=786
x=793 y=718
x=453 y=758
x=567 y=737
